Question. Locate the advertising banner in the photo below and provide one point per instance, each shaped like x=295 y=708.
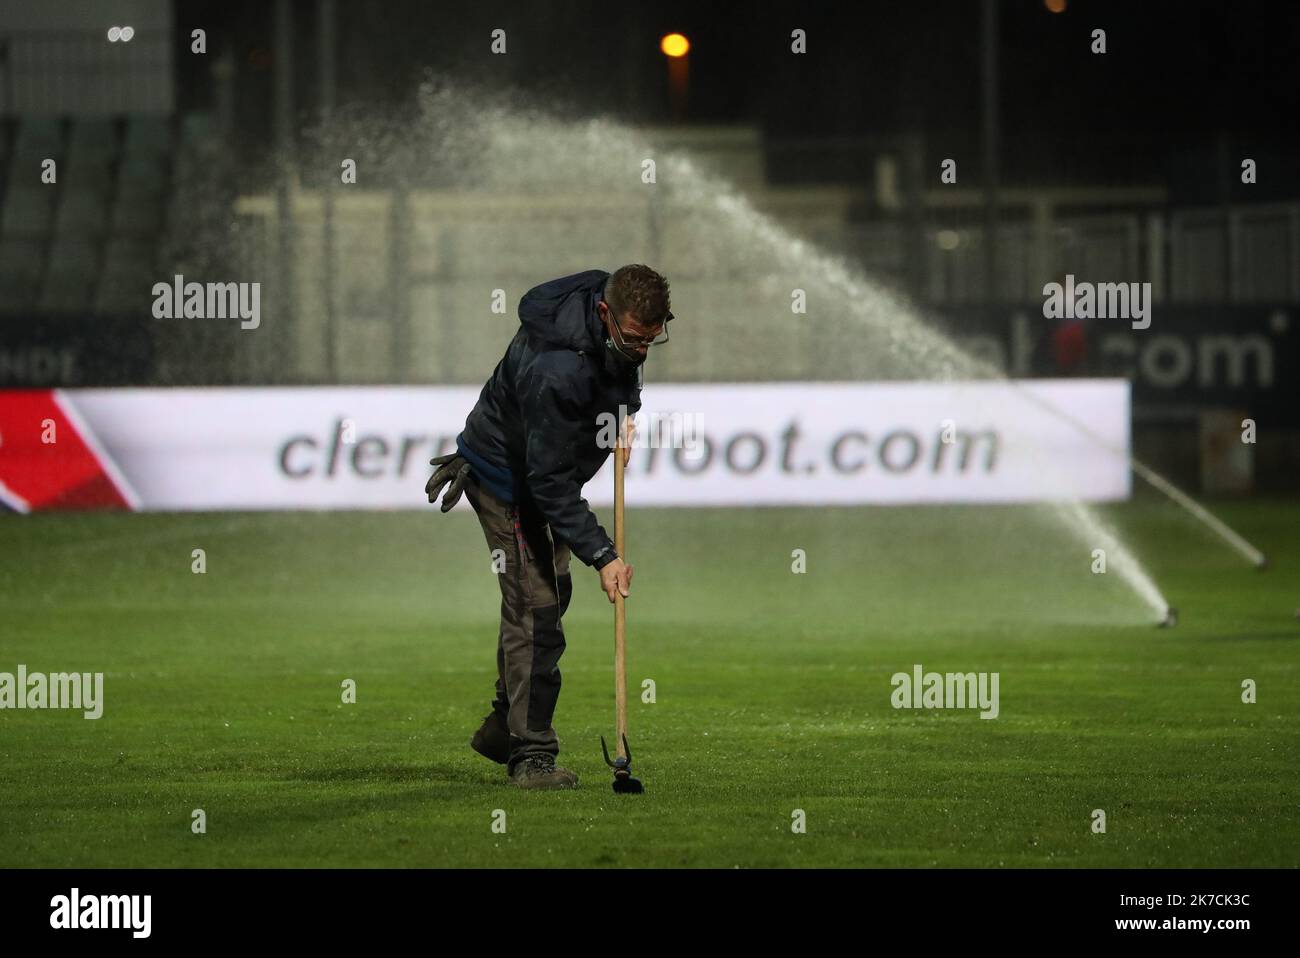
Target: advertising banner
x=716 y=444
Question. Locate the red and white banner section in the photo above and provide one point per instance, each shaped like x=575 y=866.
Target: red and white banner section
x=50 y=459
x=715 y=444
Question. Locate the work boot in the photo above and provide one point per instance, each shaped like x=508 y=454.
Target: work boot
x=539 y=770
x=492 y=740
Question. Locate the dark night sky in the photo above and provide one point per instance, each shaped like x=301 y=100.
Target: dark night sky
x=1175 y=77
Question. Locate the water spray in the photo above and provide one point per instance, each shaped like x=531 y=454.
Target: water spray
x=1225 y=532
x=464 y=127
x=933 y=348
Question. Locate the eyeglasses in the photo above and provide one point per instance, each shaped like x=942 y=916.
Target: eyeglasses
x=658 y=339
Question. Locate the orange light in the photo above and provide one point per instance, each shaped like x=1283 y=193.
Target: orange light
x=1055 y=6
x=675 y=45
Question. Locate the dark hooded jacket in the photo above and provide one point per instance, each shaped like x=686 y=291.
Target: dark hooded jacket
x=532 y=435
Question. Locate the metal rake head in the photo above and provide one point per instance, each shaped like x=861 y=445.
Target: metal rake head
x=624 y=783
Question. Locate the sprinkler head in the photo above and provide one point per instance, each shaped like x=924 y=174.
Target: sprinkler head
x=1171 y=618
x=1263 y=563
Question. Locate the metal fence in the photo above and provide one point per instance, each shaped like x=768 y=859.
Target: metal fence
x=405 y=297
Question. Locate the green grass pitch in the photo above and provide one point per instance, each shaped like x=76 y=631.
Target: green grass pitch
x=222 y=692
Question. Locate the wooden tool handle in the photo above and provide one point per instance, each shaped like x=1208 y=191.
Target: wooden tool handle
x=620 y=613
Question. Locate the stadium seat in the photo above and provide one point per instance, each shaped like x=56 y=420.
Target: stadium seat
x=140 y=216
x=20 y=272
x=126 y=281
x=25 y=172
x=147 y=136
x=142 y=174
x=93 y=138
x=37 y=139
x=83 y=213
x=28 y=211
x=88 y=172
x=69 y=276
x=39 y=136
